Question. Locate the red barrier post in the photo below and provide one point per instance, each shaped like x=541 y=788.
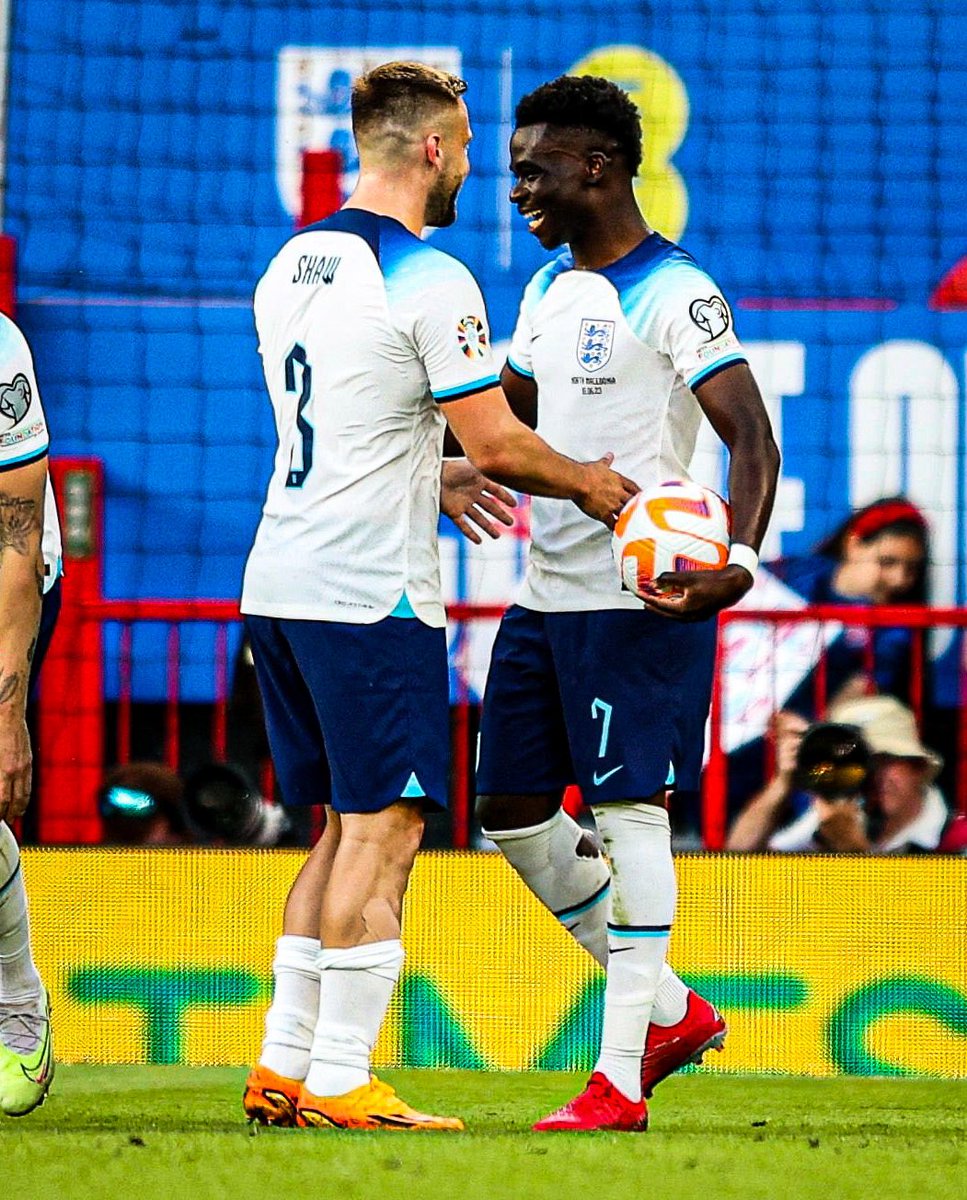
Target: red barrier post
x=321 y=185
x=71 y=702
x=220 y=709
x=715 y=779
x=461 y=751
x=8 y=275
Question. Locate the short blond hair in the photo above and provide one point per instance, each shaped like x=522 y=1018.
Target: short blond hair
x=393 y=99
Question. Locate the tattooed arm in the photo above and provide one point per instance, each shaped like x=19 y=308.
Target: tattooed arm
x=21 y=591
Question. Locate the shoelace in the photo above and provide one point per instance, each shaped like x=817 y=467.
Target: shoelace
x=21 y=1032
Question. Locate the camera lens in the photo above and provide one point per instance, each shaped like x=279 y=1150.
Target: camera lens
x=833 y=761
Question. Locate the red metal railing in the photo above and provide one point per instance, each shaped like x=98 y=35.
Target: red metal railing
x=70 y=756
x=175 y=614
x=917 y=619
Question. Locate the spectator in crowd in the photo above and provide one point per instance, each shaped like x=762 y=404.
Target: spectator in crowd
x=223 y=808
x=141 y=805
x=869 y=784
x=878 y=556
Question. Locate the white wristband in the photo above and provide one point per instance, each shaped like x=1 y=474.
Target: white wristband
x=743 y=556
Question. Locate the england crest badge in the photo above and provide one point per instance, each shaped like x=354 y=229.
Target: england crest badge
x=595 y=342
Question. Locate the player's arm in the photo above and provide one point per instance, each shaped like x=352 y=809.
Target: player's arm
x=732 y=402
x=505 y=450
x=521 y=393
x=22 y=493
x=467 y=496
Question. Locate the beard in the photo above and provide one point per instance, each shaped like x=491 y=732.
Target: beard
x=441 y=204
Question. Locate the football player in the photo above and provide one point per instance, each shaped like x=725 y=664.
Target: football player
x=624 y=341
x=372 y=342
x=30 y=567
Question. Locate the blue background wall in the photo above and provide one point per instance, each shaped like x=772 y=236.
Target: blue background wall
x=823 y=161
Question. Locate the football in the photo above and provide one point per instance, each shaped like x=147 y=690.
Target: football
x=676 y=526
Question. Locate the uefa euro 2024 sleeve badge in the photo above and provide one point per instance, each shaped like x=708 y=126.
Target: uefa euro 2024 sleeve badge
x=472 y=337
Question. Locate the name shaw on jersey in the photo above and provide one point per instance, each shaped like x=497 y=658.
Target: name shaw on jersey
x=316 y=268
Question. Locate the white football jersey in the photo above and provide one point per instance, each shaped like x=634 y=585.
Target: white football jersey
x=615 y=354
x=363 y=330
x=23 y=432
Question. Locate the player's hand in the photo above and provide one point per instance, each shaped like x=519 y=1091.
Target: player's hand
x=606 y=492
x=469 y=498
x=15 y=769
x=697 y=595
x=842 y=825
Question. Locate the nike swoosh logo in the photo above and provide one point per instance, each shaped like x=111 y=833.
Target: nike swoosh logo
x=599 y=779
x=317 y=1118
x=38 y=1072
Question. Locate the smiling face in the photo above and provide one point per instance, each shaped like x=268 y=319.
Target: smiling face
x=887 y=567
x=552 y=169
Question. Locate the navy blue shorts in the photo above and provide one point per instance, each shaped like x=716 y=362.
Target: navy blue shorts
x=358 y=716
x=612 y=700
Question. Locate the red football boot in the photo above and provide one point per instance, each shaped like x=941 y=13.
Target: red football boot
x=669 y=1047
x=599 y=1106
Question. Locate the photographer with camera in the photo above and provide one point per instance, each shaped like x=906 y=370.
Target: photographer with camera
x=224 y=808
x=862 y=784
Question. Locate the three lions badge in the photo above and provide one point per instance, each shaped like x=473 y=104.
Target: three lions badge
x=595 y=343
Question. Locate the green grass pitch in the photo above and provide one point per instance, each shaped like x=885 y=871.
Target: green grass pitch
x=178 y=1133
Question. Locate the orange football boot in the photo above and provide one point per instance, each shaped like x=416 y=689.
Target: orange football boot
x=271 y=1099
x=375 y=1105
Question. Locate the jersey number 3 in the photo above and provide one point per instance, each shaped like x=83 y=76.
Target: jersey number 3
x=305 y=433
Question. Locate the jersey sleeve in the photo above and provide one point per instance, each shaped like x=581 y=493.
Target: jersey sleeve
x=519 y=354
x=23 y=429
x=451 y=335
x=693 y=324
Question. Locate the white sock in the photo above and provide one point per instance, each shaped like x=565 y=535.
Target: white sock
x=355 y=986
x=671 y=999
x=19 y=981
x=290 y=1022
x=575 y=889
x=637 y=838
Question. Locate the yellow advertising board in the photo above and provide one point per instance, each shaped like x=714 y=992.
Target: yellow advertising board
x=821 y=965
